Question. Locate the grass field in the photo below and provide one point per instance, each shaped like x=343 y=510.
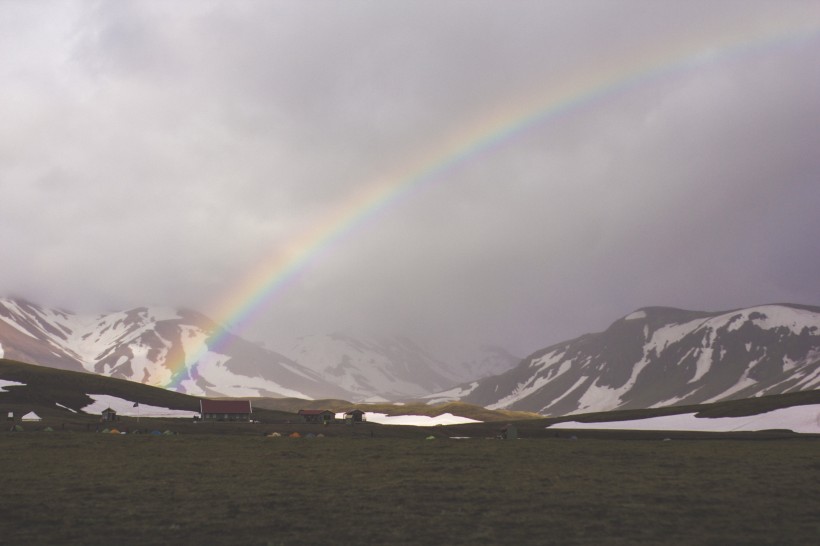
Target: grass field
x=86 y=488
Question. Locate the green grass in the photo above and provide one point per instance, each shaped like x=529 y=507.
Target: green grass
x=45 y=386
x=78 y=488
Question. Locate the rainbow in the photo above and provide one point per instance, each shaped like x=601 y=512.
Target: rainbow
x=274 y=273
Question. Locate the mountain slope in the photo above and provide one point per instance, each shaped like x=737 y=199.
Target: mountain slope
x=388 y=368
x=660 y=356
x=155 y=346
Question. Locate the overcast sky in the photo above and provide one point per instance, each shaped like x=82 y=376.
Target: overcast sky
x=152 y=153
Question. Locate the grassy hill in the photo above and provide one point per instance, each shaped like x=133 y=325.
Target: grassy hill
x=733 y=408
x=44 y=388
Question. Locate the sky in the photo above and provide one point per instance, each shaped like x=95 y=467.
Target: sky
x=544 y=167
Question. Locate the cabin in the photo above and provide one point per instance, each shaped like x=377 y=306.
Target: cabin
x=317 y=416
x=225 y=410
x=508 y=432
x=108 y=415
x=354 y=416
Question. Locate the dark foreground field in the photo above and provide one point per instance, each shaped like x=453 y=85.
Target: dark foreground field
x=86 y=488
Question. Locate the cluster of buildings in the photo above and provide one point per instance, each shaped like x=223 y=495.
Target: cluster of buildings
x=241 y=410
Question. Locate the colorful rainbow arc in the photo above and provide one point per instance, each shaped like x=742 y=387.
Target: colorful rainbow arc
x=277 y=272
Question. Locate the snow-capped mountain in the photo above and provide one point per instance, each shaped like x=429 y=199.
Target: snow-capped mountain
x=485 y=361
x=389 y=368
x=660 y=356
x=178 y=349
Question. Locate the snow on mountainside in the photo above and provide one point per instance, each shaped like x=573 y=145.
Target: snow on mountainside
x=388 y=368
x=154 y=346
x=485 y=361
x=661 y=356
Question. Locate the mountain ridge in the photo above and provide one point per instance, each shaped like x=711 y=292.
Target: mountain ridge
x=658 y=356
x=187 y=351
x=154 y=346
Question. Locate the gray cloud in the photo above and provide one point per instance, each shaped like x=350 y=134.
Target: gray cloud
x=155 y=152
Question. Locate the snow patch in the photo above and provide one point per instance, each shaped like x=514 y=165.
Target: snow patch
x=774 y=316
x=16 y=326
x=742 y=383
x=126 y=408
x=803 y=419
x=4 y=383
x=59 y=405
x=703 y=363
x=599 y=398
x=417 y=420
x=637 y=315
x=211 y=367
x=456 y=393
x=567 y=393
x=671 y=333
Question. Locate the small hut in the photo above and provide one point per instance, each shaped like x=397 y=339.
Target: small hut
x=225 y=410
x=317 y=416
x=509 y=432
x=354 y=416
x=108 y=415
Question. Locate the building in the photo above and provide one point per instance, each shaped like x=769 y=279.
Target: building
x=225 y=410
x=108 y=415
x=317 y=416
x=354 y=416
x=509 y=432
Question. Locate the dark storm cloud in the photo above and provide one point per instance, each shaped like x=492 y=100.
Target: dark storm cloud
x=153 y=152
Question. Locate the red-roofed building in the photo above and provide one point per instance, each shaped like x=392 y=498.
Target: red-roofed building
x=317 y=415
x=225 y=410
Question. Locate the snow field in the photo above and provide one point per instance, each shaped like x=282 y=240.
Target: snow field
x=417 y=420
x=5 y=383
x=126 y=408
x=802 y=419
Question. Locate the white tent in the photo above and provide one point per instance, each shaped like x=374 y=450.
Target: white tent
x=31 y=416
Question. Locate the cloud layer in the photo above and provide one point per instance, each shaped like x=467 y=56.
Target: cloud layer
x=154 y=152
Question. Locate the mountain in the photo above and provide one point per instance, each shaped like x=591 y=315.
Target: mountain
x=660 y=356
x=392 y=367
x=155 y=346
x=485 y=361
x=385 y=368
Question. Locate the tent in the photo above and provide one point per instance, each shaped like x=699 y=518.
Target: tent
x=295 y=435
x=105 y=431
x=48 y=429
x=168 y=433
x=31 y=416
x=113 y=431
x=274 y=435
x=16 y=428
x=430 y=438
x=310 y=436
x=156 y=433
